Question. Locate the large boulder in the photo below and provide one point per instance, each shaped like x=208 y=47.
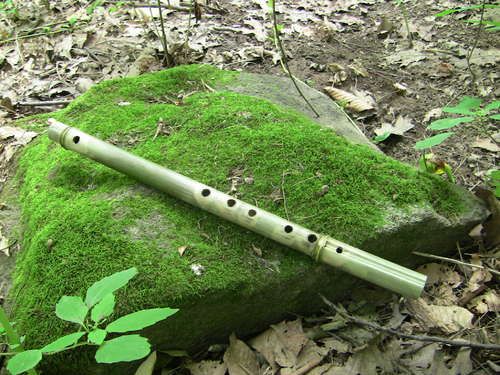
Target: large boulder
x=84 y=221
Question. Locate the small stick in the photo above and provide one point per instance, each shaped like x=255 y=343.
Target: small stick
x=283 y=193
x=43 y=104
x=424 y=338
x=284 y=59
x=31 y=36
x=449 y=260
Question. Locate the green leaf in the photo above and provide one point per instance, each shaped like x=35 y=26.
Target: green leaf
x=463 y=9
x=123 y=349
x=382 y=137
x=62 y=342
x=495 y=117
x=103 y=309
x=493 y=105
x=72 y=309
x=24 y=361
x=465 y=106
x=432 y=141
x=107 y=285
x=97 y=336
x=447 y=123
x=140 y=319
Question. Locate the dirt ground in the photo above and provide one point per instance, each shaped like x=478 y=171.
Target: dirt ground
x=51 y=52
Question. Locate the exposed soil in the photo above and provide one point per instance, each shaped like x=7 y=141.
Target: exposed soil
x=348 y=44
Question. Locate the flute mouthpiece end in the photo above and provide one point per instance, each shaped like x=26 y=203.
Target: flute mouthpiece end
x=56 y=129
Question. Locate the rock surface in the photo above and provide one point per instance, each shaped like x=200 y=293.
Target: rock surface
x=100 y=222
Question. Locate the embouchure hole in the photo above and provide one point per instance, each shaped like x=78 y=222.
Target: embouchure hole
x=252 y=213
x=76 y=139
x=205 y=192
x=231 y=202
x=288 y=228
x=312 y=238
x=339 y=250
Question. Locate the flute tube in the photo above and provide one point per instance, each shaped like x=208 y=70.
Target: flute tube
x=322 y=248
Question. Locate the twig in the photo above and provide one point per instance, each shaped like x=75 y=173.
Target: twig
x=476 y=40
x=283 y=194
x=43 y=104
x=211 y=89
x=284 y=59
x=423 y=338
x=167 y=57
x=170 y=7
x=449 y=260
x=31 y=36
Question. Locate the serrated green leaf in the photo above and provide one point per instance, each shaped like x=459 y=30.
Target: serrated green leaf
x=103 y=309
x=97 y=336
x=140 y=319
x=432 y=141
x=62 y=342
x=123 y=349
x=447 y=123
x=24 y=361
x=72 y=309
x=107 y=285
x=382 y=137
x=493 y=105
x=465 y=107
x=495 y=117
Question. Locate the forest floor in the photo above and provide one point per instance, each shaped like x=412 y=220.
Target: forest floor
x=50 y=55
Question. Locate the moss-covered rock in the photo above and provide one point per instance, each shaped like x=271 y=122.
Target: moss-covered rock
x=84 y=221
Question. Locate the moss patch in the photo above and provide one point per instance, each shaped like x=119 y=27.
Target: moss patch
x=101 y=221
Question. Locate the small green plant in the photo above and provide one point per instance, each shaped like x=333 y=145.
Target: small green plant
x=494 y=181
x=92 y=7
x=90 y=315
x=9 y=8
x=488 y=25
x=474 y=114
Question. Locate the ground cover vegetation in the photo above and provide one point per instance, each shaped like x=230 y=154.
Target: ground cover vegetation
x=416 y=66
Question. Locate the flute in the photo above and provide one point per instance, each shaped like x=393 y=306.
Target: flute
x=321 y=248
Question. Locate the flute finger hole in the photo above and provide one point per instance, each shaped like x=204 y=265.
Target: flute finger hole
x=231 y=202
x=205 y=192
x=312 y=238
x=252 y=213
x=76 y=139
x=288 y=228
x=339 y=250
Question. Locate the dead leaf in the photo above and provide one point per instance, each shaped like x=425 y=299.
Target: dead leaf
x=207 y=368
x=433 y=113
x=147 y=367
x=4 y=244
x=359 y=102
x=182 y=249
x=406 y=57
x=257 y=251
x=449 y=319
x=370 y=360
x=401 y=126
x=240 y=359
x=487 y=302
x=281 y=344
x=486 y=144
x=197 y=269
x=491 y=225
x=309 y=357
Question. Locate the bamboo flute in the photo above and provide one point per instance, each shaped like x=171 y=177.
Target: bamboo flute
x=321 y=248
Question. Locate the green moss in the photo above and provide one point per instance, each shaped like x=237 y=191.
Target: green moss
x=101 y=221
